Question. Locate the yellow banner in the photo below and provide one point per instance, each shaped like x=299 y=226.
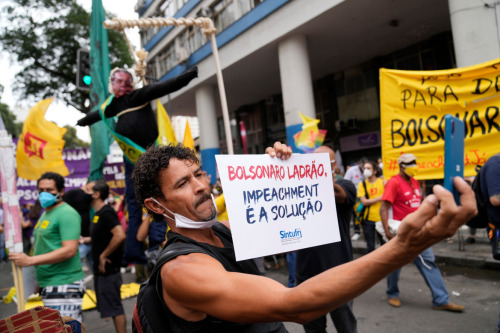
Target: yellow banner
x=188 y=138
x=412 y=109
x=166 y=134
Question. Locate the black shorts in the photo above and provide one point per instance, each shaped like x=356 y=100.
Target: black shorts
x=107 y=291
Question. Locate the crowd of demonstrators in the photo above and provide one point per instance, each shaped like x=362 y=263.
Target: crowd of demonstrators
x=58 y=267
x=170 y=183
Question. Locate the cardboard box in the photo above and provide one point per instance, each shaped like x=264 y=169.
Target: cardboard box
x=10 y=324
x=44 y=326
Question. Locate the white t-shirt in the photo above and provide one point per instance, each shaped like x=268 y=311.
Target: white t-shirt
x=355 y=175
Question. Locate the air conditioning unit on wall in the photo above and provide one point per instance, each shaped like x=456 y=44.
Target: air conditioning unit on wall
x=204 y=12
x=182 y=54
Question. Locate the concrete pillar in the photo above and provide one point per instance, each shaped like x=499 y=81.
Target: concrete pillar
x=474 y=24
x=296 y=84
x=209 y=138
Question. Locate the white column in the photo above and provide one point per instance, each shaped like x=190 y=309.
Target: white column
x=475 y=29
x=206 y=110
x=296 y=83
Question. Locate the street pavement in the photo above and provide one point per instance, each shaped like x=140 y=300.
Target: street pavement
x=471 y=275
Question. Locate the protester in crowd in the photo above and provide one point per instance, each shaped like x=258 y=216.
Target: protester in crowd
x=380 y=165
x=80 y=201
x=137 y=122
x=490 y=192
x=220 y=203
x=3 y=253
x=58 y=267
x=35 y=211
x=2 y=244
x=26 y=227
x=402 y=194
x=355 y=175
x=315 y=260
x=154 y=232
x=471 y=239
x=370 y=194
x=199 y=295
x=107 y=236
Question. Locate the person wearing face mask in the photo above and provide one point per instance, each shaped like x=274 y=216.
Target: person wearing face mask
x=57 y=264
x=370 y=194
x=402 y=196
x=107 y=236
x=80 y=201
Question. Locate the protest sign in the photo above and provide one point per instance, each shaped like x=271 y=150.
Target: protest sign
x=277 y=206
x=412 y=109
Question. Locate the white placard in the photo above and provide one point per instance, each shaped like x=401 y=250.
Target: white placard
x=277 y=206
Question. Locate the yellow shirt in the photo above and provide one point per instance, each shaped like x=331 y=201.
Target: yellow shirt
x=221 y=208
x=374 y=190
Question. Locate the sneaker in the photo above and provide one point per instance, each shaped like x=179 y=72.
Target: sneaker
x=450 y=307
x=470 y=240
x=395 y=302
x=355 y=237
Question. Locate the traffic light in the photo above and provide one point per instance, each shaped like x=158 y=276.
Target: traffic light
x=83 y=78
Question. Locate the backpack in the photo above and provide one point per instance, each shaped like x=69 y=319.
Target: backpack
x=481 y=219
x=149 y=312
x=361 y=212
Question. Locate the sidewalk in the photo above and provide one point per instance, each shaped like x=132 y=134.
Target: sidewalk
x=454 y=252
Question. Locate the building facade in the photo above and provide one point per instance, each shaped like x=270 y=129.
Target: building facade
x=319 y=57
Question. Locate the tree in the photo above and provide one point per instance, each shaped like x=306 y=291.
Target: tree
x=44 y=37
x=12 y=126
x=72 y=141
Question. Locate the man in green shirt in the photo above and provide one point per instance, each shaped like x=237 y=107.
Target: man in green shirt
x=57 y=264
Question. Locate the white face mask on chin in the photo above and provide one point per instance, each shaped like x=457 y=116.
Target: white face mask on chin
x=184 y=222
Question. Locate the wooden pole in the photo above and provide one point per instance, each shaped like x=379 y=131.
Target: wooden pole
x=18 y=284
x=20 y=299
x=222 y=94
x=208 y=29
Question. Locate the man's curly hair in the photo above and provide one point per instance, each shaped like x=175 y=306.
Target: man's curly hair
x=146 y=175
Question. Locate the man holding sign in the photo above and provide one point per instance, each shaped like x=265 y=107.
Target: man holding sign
x=57 y=264
x=199 y=294
x=317 y=259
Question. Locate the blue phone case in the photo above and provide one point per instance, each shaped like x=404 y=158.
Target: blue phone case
x=454 y=133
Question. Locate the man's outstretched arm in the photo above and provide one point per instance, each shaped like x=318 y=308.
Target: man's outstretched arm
x=141 y=96
x=162 y=88
x=197 y=285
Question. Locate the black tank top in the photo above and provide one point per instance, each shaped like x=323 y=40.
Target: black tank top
x=212 y=324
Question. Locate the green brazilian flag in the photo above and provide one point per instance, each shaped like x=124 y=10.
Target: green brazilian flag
x=99 y=72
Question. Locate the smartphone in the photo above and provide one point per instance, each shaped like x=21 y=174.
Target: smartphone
x=454 y=133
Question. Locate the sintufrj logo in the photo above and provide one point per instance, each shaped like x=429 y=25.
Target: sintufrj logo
x=290 y=237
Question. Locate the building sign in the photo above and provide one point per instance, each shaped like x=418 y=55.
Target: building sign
x=360 y=141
